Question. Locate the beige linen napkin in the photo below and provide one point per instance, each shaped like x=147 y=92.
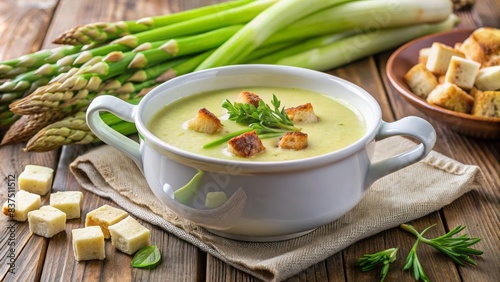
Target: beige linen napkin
x=405 y=195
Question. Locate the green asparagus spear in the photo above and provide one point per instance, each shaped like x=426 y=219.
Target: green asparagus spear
x=34 y=60
x=27 y=125
x=91 y=79
x=8 y=120
x=236 y=16
x=74 y=130
x=105 y=31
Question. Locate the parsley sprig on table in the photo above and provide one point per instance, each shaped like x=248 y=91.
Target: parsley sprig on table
x=266 y=122
x=384 y=258
x=457 y=248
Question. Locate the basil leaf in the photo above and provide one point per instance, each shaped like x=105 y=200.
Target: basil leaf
x=148 y=257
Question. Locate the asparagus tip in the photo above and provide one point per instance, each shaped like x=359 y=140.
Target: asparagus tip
x=148 y=21
x=127 y=40
x=139 y=61
x=171 y=47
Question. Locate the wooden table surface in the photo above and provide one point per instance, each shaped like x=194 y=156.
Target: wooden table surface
x=29 y=25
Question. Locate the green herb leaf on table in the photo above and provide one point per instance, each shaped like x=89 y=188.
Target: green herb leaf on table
x=413 y=262
x=457 y=248
x=382 y=258
x=148 y=257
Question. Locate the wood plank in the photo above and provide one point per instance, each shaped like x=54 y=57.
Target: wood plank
x=217 y=270
x=12 y=162
x=185 y=262
x=478 y=210
x=180 y=258
x=363 y=75
x=23 y=27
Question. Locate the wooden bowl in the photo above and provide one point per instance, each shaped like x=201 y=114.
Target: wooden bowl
x=406 y=57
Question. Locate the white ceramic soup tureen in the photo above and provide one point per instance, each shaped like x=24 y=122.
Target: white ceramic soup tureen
x=267 y=201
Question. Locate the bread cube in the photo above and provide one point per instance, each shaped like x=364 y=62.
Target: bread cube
x=19 y=207
x=420 y=80
x=103 y=217
x=441 y=79
x=451 y=97
x=487 y=104
x=293 y=141
x=247 y=97
x=129 y=235
x=36 y=179
x=474 y=91
x=423 y=55
x=205 y=122
x=46 y=221
x=69 y=202
x=302 y=114
x=488 y=79
x=483 y=46
x=245 y=145
x=439 y=58
x=462 y=72
x=88 y=243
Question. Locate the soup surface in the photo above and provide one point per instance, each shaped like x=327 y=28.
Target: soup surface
x=339 y=123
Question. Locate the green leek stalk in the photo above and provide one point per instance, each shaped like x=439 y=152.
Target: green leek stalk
x=265 y=24
x=366 y=15
x=296 y=48
x=354 y=47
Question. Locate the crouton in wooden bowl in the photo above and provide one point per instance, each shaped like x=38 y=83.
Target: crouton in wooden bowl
x=442 y=77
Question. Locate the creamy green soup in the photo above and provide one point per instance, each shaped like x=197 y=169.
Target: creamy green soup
x=339 y=123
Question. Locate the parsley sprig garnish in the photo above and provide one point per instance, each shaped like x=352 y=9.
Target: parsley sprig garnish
x=262 y=114
x=266 y=122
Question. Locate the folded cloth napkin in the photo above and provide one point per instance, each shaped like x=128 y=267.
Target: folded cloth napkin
x=407 y=194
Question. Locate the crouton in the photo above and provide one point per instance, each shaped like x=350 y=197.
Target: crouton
x=462 y=72
x=483 y=46
x=439 y=58
x=488 y=78
x=451 y=97
x=487 y=104
x=245 y=145
x=293 y=141
x=302 y=114
x=441 y=78
x=205 y=122
x=247 y=97
x=420 y=80
x=473 y=92
x=423 y=55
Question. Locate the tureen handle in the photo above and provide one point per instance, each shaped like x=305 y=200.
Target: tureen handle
x=108 y=135
x=412 y=126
